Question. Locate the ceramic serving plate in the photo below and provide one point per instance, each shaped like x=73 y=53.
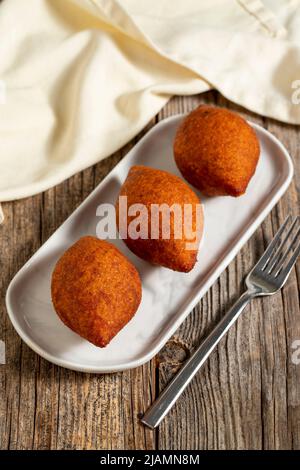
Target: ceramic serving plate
x=168 y=297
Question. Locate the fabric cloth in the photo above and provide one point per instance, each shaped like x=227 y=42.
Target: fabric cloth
x=80 y=78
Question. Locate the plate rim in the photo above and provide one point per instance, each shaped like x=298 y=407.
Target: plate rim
x=190 y=304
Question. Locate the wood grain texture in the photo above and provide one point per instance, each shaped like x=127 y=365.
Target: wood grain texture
x=247 y=396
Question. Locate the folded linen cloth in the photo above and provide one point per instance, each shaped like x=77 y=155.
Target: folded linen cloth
x=80 y=78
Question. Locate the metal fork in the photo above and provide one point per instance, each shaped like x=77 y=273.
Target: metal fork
x=267 y=277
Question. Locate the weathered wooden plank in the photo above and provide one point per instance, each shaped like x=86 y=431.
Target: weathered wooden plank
x=19 y=240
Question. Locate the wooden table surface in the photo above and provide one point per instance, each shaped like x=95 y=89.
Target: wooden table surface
x=247 y=396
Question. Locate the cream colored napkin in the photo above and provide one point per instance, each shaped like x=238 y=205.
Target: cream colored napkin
x=80 y=78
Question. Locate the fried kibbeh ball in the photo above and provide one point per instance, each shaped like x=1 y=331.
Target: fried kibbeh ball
x=173 y=245
x=95 y=290
x=216 y=151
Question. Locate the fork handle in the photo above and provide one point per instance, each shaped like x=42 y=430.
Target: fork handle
x=174 y=389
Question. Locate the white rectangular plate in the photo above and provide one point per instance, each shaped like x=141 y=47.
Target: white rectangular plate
x=168 y=297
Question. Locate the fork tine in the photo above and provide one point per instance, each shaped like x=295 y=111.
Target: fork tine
x=285 y=273
x=267 y=254
x=288 y=251
x=279 y=254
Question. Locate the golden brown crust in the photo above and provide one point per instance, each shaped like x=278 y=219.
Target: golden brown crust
x=148 y=186
x=216 y=151
x=95 y=290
